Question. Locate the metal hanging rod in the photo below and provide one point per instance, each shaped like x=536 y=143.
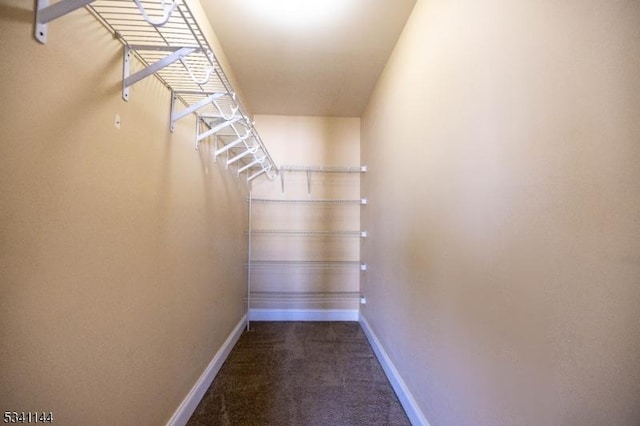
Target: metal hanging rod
x=170 y=44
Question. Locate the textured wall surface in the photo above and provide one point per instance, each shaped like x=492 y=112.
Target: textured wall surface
x=122 y=251
x=504 y=215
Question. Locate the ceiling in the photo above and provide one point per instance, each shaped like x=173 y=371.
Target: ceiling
x=307 y=57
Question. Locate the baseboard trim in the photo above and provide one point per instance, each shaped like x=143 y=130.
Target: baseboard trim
x=303 y=315
x=191 y=401
x=409 y=404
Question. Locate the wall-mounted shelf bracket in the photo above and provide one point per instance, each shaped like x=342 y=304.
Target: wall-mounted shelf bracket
x=243 y=154
x=232 y=144
x=46 y=13
x=178 y=114
x=309 y=182
x=258 y=173
x=217 y=128
x=282 y=180
x=253 y=163
x=129 y=79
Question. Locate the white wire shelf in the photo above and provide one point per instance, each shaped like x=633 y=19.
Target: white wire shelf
x=362 y=234
x=309 y=170
x=170 y=44
x=309 y=264
x=361 y=201
x=324 y=169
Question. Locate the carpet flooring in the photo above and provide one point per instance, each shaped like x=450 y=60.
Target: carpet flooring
x=301 y=373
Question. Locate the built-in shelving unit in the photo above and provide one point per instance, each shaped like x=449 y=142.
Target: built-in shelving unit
x=167 y=42
x=310 y=170
x=292 y=245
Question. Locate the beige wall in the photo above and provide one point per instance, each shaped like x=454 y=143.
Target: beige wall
x=311 y=141
x=504 y=187
x=122 y=252
x=308 y=141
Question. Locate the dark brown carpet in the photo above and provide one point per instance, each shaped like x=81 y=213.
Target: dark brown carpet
x=301 y=373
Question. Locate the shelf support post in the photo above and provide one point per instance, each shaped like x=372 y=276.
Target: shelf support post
x=249 y=267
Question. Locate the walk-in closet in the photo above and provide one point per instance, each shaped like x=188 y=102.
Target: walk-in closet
x=320 y=212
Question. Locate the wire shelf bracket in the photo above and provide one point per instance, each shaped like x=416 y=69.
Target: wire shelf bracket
x=217 y=128
x=46 y=13
x=130 y=79
x=178 y=114
x=360 y=201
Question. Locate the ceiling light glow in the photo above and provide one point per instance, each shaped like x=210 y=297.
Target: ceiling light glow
x=298 y=13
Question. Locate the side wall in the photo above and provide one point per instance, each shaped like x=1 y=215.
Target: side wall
x=504 y=187
x=122 y=251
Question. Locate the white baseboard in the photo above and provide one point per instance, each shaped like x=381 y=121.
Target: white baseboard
x=409 y=404
x=303 y=315
x=191 y=401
